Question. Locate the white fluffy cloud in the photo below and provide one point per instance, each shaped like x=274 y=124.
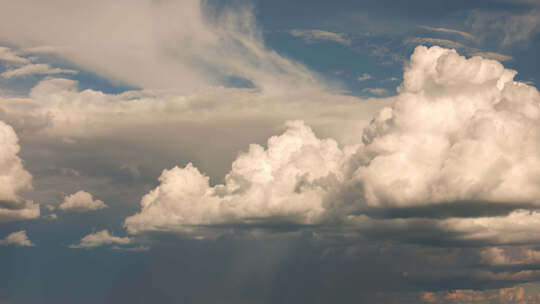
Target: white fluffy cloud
x=81 y=201
x=13 y=179
x=18 y=238
x=101 y=238
x=459 y=130
x=285 y=182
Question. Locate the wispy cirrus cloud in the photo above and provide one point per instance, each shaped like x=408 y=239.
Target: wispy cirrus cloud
x=448 y=31
x=312 y=35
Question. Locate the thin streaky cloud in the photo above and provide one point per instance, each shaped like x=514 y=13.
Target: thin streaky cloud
x=311 y=36
x=35 y=69
x=447 y=31
x=493 y=55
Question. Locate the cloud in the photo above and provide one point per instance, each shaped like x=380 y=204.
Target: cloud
x=448 y=31
x=516 y=294
x=81 y=201
x=199 y=45
x=18 y=238
x=460 y=130
x=493 y=55
x=99 y=239
x=510 y=256
x=131 y=249
x=13 y=179
x=505 y=28
x=35 y=69
x=7 y=55
x=312 y=36
x=284 y=183
x=435 y=41
x=376 y=91
x=364 y=77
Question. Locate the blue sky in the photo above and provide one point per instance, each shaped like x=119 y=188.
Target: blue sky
x=269 y=151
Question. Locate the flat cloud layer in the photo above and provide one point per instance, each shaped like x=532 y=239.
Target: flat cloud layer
x=459 y=130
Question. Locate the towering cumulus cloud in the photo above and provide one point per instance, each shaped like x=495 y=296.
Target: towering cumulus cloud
x=13 y=179
x=460 y=130
x=285 y=183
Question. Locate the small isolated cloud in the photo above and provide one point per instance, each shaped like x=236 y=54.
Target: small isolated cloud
x=311 y=36
x=376 y=91
x=18 y=238
x=448 y=31
x=435 y=41
x=364 y=77
x=81 y=201
x=7 y=55
x=493 y=55
x=101 y=238
x=35 y=69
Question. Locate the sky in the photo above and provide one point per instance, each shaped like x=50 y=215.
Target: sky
x=248 y=151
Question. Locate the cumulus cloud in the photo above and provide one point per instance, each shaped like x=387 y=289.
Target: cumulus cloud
x=18 y=238
x=13 y=179
x=285 y=183
x=35 y=69
x=312 y=36
x=460 y=130
x=81 y=201
x=99 y=239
